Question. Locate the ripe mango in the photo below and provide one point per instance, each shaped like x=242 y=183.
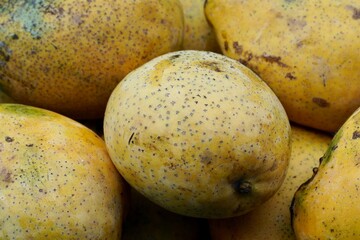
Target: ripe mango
x=327 y=205
x=57 y=180
x=306 y=51
x=272 y=219
x=68 y=55
x=198 y=33
x=199 y=134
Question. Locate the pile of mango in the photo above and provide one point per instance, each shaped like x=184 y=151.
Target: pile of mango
x=179 y=119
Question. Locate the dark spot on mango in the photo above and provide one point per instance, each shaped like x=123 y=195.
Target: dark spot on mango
x=206 y=157
x=5 y=175
x=211 y=65
x=273 y=59
x=290 y=76
x=320 y=102
x=9 y=139
x=15 y=37
x=238 y=48
x=130 y=139
x=356 y=134
x=242 y=186
x=174 y=57
x=356 y=12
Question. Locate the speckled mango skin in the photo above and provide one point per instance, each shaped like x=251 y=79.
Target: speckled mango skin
x=307 y=51
x=327 y=205
x=199 y=134
x=272 y=219
x=67 y=55
x=57 y=180
x=198 y=33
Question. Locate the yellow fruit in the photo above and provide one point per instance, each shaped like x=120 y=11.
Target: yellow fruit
x=68 y=55
x=199 y=134
x=57 y=180
x=272 y=219
x=307 y=52
x=146 y=220
x=198 y=34
x=327 y=205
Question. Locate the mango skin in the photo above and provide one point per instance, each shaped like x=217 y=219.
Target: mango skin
x=307 y=51
x=68 y=56
x=57 y=180
x=272 y=219
x=198 y=33
x=327 y=205
x=198 y=134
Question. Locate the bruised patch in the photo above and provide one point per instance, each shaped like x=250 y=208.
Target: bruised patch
x=5 y=175
x=356 y=134
x=356 y=12
x=290 y=76
x=321 y=102
x=273 y=59
x=238 y=48
x=211 y=65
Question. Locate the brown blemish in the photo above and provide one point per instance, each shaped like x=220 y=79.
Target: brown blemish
x=356 y=12
x=9 y=139
x=211 y=65
x=290 y=76
x=273 y=59
x=206 y=157
x=5 y=175
x=356 y=134
x=321 y=102
x=243 y=187
x=174 y=57
x=238 y=48
x=296 y=24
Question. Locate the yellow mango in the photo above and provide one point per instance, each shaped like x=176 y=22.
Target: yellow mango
x=199 y=134
x=272 y=219
x=198 y=33
x=67 y=55
x=57 y=180
x=326 y=206
x=308 y=52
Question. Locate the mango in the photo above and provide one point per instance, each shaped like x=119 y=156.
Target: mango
x=199 y=134
x=306 y=51
x=57 y=180
x=68 y=55
x=198 y=33
x=272 y=219
x=326 y=206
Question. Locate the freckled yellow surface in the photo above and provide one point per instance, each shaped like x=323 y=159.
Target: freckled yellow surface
x=328 y=206
x=187 y=141
x=307 y=51
x=56 y=178
x=198 y=33
x=68 y=55
x=272 y=219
